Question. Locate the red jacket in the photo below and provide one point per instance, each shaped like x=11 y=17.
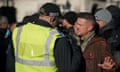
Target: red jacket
x=95 y=52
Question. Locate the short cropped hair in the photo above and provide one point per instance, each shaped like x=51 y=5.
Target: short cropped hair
x=71 y=17
x=89 y=16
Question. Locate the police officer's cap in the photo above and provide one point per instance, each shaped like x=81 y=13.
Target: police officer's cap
x=50 y=9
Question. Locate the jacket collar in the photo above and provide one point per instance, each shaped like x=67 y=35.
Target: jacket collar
x=106 y=28
x=43 y=23
x=85 y=43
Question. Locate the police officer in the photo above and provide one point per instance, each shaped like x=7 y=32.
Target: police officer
x=39 y=47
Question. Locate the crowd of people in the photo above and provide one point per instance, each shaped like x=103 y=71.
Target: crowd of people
x=49 y=41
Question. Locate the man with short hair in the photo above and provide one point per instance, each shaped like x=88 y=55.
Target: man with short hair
x=95 y=49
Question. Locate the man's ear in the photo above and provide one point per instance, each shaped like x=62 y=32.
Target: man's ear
x=90 y=28
x=52 y=19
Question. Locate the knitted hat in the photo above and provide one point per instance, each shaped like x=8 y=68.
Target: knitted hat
x=103 y=15
x=50 y=9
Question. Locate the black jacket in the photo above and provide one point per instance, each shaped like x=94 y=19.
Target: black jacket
x=4 y=42
x=112 y=35
x=67 y=59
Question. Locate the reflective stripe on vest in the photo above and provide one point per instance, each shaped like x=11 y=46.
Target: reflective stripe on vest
x=46 y=62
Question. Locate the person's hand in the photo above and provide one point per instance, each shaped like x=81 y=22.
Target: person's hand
x=108 y=63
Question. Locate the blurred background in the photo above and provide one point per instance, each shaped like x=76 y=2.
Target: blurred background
x=17 y=9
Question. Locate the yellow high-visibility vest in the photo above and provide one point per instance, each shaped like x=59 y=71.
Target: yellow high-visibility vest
x=34 y=48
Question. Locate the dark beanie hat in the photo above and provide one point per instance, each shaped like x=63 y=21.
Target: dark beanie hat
x=50 y=9
x=114 y=10
x=71 y=17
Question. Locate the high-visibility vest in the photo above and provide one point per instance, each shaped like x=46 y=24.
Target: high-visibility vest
x=34 y=47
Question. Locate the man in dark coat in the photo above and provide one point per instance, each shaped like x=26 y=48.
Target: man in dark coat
x=4 y=41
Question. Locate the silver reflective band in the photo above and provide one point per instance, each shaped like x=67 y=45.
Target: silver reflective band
x=34 y=63
x=46 y=62
x=18 y=39
x=54 y=14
